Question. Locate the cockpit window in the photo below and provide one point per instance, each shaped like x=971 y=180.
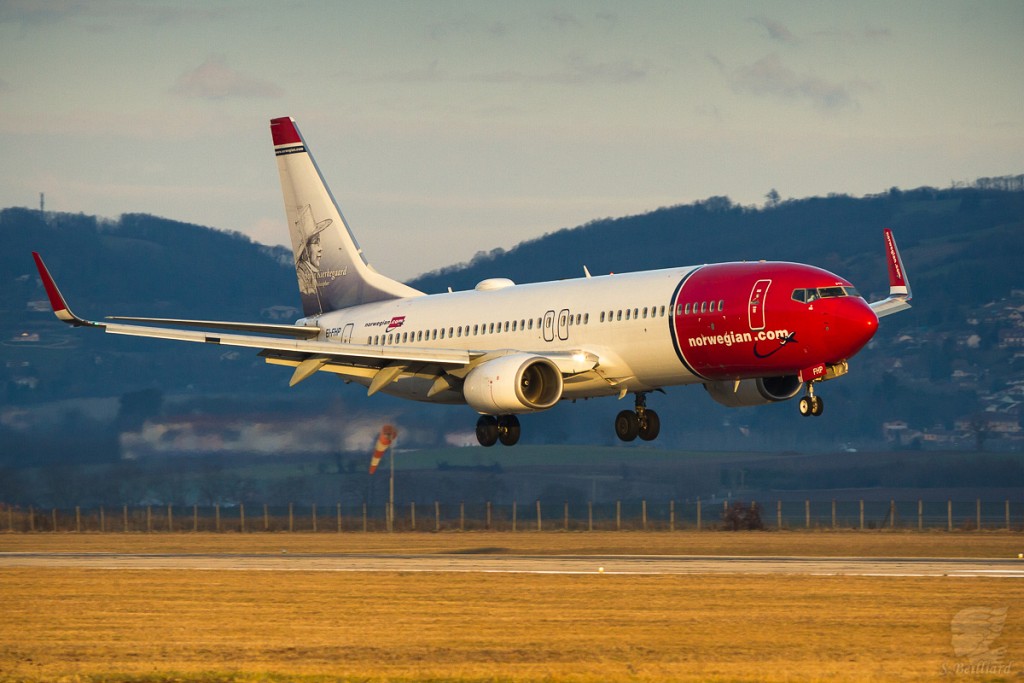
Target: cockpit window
x=809 y=294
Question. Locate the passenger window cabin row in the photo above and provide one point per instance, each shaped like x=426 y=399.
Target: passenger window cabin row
x=470 y=330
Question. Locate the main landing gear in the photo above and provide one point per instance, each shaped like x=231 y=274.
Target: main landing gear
x=811 y=404
x=504 y=428
x=640 y=421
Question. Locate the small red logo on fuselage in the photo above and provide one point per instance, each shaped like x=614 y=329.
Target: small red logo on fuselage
x=395 y=323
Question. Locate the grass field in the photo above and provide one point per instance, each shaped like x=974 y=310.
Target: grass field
x=160 y=625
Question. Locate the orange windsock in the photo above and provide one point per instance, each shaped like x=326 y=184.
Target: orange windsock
x=387 y=435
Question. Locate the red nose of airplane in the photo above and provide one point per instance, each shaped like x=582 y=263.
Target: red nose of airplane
x=853 y=323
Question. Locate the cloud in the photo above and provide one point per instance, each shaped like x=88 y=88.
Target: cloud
x=101 y=14
x=5 y=86
x=215 y=80
x=769 y=76
x=576 y=70
x=776 y=31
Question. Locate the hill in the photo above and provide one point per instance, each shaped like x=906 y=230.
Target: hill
x=948 y=373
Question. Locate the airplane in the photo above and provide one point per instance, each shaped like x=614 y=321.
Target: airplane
x=751 y=333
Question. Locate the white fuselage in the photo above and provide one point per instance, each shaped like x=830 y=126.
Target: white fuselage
x=624 y=319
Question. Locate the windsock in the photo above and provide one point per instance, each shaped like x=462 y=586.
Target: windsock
x=387 y=435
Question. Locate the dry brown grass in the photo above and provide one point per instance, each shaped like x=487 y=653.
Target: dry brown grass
x=254 y=625
x=999 y=544
x=93 y=625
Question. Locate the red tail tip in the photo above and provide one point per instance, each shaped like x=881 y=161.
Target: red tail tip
x=284 y=131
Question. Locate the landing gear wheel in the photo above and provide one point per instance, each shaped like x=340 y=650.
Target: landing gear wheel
x=805 y=407
x=508 y=430
x=487 y=430
x=650 y=425
x=817 y=406
x=627 y=425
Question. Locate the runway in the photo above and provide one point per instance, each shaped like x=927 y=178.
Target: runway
x=528 y=564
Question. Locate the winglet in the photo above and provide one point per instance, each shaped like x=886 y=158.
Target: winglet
x=899 y=285
x=57 y=302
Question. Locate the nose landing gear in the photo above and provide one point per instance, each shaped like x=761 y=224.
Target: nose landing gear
x=640 y=421
x=811 y=404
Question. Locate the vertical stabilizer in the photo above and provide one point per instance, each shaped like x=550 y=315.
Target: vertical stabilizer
x=330 y=266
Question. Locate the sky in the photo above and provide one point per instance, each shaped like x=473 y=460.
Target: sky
x=449 y=128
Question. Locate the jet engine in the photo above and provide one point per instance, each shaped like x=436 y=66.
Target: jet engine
x=754 y=392
x=518 y=383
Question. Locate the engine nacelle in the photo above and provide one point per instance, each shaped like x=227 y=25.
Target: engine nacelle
x=754 y=392
x=519 y=383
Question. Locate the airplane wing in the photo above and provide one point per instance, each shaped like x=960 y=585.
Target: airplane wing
x=899 y=286
x=378 y=365
x=306 y=354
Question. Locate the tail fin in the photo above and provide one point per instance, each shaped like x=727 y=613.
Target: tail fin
x=331 y=268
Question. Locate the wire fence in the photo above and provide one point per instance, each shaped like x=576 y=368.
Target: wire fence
x=639 y=515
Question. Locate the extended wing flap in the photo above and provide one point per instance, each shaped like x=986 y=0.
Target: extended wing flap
x=297 y=331
x=332 y=350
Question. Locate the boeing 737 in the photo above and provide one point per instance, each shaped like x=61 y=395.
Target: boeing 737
x=751 y=333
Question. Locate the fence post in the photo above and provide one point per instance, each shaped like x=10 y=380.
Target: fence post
x=949 y=514
x=920 y=515
x=195 y=517
x=437 y=516
x=566 y=515
x=365 y=520
x=126 y=519
x=618 y=515
x=833 y=514
x=54 y=511
x=488 y=515
x=643 y=514
x=778 y=514
x=698 y=514
x=216 y=517
x=170 y=518
x=978 y=514
x=266 y=518
x=31 y=519
x=291 y=517
x=462 y=515
x=149 y=519
x=103 y=521
x=78 y=519
x=862 y=514
x=590 y=515
x=314 y=518
x=412 y=515
x=892 y=513
x=339 y=519
x=672 y=515
x=807 y=513
x=241 y=517
x=10 y=518
x=513 y=515
x=1007 y=514
x=539 y=527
